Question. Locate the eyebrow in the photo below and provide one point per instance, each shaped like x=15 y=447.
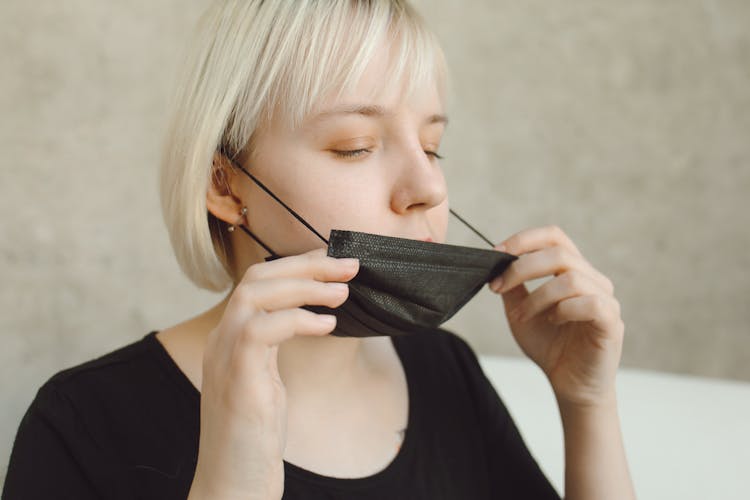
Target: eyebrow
x=373 y=111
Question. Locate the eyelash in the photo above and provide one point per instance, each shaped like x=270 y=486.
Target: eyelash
x=357 y=152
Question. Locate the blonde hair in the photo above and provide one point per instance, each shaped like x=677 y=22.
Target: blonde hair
x=254 y=60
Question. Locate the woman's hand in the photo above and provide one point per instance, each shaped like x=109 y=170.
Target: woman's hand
x=570 y=325
x=243 y=399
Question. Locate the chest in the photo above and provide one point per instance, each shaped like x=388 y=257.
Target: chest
x=350 y=437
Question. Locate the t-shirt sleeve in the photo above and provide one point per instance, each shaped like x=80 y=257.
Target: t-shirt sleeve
x=513 y=471
x=45 y=461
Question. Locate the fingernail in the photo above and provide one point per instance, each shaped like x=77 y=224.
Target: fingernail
x=327 y=319
x=349 y=263
x=497 y=284
x=501 y=247
x=339 y=288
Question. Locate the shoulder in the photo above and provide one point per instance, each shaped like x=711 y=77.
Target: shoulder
x=97 y=371
x=106 y=386
x=110 y=423
x=121 y=403
x=108 y=361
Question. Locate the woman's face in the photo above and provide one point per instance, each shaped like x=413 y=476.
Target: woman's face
x=357 y=165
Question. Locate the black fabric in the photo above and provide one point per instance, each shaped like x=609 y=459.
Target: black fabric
x=405 y=286
x=126 y=425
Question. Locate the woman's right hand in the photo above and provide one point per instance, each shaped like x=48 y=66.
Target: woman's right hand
x=243 y=399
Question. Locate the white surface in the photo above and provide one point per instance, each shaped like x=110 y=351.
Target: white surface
x=685 y=437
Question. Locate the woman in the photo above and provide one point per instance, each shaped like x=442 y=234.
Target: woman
x=339 y=107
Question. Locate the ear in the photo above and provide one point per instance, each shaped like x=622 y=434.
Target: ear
x=220 y=198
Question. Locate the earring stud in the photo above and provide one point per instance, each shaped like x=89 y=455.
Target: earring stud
x=242 y=215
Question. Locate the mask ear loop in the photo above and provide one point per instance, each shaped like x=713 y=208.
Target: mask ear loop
x=247 y=231
x=299 y=218
x=295 y=214
x=472 y=228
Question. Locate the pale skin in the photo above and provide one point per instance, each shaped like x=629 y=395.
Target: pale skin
x=570 y=326
x=389 y=181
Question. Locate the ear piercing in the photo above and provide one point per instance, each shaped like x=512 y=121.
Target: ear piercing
x=242 y=216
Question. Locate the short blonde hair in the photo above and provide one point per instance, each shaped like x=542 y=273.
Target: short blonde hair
x=254 y=60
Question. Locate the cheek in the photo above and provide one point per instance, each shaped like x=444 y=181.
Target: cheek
x=326 y=199
x=355 y=203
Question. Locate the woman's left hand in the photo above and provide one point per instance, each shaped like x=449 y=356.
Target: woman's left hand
x=570 y=325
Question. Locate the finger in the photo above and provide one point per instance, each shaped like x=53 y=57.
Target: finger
x=314 y=264
x=548 y=261
x=276 y=327
x=283 y=293
x=513 y=297
x=266 y=331
x=603 y=311
x=568 y=284
x=537 y=238
x=270 y=295
x=254 y=293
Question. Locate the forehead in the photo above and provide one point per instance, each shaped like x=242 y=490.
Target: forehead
x=375 y=110
x=371 y=96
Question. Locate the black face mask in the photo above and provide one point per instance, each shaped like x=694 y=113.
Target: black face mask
x=403 y=286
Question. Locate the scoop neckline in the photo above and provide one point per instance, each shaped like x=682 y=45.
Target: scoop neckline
x=341 y=483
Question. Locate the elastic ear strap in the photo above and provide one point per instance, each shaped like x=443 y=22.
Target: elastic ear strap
x=264 y=188
x=470 y=227
x=247 y=231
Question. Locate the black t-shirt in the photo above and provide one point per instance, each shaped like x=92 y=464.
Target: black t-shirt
x=126 y=426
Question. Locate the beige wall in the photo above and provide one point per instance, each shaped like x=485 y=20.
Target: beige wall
x=625 y=123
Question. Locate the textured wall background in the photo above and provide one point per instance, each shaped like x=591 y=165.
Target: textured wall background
x=625 y=123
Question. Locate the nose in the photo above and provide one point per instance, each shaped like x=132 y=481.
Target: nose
x=419 y=181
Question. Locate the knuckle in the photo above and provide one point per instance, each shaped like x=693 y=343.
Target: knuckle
x=571 y=278
x=555 y=230
x=253 y=272
x=618 y=308
x=560 y=253
x=598 y=305
x=610 y=285
x=245 y=293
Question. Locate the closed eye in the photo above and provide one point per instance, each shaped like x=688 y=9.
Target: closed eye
x=352 y=153
x=358 y=152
